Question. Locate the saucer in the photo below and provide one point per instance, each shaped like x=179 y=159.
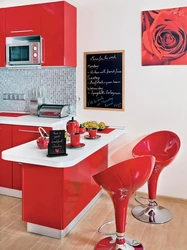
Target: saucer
x=78 y=146
x=88 y=137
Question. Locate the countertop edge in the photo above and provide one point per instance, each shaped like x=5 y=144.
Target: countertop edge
x=33 y=155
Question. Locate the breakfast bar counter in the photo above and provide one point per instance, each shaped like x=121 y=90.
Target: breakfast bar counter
x=58 y=191
x=30 y=153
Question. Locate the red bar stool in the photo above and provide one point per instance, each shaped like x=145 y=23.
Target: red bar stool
x=164 y=146
x=120 y=182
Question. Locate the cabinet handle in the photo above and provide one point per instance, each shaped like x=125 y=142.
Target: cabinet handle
x=28 y=131
x=20 y=31
x=43 y=50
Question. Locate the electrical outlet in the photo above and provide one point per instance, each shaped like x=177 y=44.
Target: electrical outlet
x=21 y=97
x=5 y=96
x=12 y=96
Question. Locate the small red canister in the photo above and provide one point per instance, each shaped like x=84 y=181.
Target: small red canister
x=82 y=129
x=72 y=126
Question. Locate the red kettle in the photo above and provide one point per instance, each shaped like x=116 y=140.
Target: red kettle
x=72 y=126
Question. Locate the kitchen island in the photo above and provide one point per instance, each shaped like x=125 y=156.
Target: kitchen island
x=58 y=191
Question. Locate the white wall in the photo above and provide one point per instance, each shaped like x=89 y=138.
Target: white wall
x=155 y=97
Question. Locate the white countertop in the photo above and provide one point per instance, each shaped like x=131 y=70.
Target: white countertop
x=32 y=120
x=30 y=153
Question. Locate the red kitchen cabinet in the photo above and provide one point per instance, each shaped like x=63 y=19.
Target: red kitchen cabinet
x=59 y=34
x=2 y=22
x=56 y=24
x=23 y=20
x=22 y=134
x=5 y=166
x=2 y=37
x=54 y=197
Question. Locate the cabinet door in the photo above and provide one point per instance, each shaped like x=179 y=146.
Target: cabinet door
x=5 y=166
x=2 y=22
x=22 y=134
x=59 y=34
x=23 y=20
x=2 y=37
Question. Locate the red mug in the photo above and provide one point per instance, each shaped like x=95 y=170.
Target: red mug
x=92 y=132
x=75 y=139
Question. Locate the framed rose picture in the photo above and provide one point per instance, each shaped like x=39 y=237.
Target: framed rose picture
x=164 y=36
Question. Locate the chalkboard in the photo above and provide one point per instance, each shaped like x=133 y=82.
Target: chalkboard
x=104 y=80
x=57 y=143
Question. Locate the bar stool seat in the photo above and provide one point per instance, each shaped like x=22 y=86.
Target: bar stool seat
x=120 y=182
x=164 y=146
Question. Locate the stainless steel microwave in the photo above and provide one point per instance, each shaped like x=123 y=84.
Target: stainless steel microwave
x=23 y=51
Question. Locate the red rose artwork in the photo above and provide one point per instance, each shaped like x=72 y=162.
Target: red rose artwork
x=164 y=37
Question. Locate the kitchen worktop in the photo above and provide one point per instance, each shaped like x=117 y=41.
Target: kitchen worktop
x=33 y=155
x=33 y=120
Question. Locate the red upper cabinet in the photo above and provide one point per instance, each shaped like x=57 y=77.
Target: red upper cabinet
x=55 y=22
x=59 y=34
x=2 y=22
x=2 y=37
x=23 y=20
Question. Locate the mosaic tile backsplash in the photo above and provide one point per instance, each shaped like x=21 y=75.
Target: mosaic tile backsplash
x=57 y=86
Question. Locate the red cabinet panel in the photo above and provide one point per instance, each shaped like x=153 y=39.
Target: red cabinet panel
x=2 y=37
x=53 y=197
x=17 y=175
x=79 y=187
x=59 y=34
x=11 y=136
x=2 y=51
x=54 y=22
x=23 y=20
x=22 y=134
x=2 y=22
x=5 y=166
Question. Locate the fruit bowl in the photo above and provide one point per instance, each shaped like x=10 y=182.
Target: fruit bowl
x=94 y=124
x=100 y=129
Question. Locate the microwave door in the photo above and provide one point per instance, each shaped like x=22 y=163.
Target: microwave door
x=19 y=54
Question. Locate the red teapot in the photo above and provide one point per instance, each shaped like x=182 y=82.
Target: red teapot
x=43 y=140
x=72 y=126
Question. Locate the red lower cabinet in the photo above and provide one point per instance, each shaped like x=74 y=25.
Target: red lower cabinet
x=11 y=136
x=53 y=197
x=22 y=134
x=5 y=166
x=5 y=173
x=17 y=175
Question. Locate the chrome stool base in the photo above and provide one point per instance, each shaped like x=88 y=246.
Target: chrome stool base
x=109 y=243
x=152 y=214
x=104 y=225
